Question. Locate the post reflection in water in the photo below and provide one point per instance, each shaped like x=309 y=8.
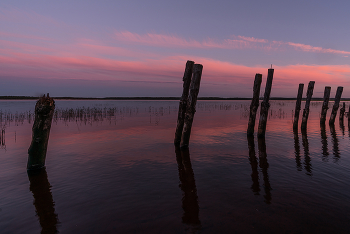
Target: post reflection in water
x=254 y=164
x=43 y=201
x=297 y=149
x=188 y=187
x=336 y=153
x=342 y=127
x=324 y=142
x=307 y=159
x=264 y=165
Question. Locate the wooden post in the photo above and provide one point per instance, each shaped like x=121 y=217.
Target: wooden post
x=254 y=104
x=336 y=105
x=298 y=106
x=191 y=104
x=183 y=101
x=44 y=110
x=327 y=92
x=310 y=90
x=265 y=105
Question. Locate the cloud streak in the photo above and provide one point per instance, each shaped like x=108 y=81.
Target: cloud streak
x=238 y=42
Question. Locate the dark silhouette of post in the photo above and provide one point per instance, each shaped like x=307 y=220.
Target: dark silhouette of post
x=191 y=104
x=264 y=165
x=254 y=104
x=336 y=105
x=254 y=164
x=265 y=105
x=44 y=110
x=183 y=101
x=188 y=187
x=297 y=149
x=298 y=106
x=310 y=90
x=43 y=201
x=327 y=92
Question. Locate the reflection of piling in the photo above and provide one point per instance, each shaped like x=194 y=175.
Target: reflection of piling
x=44 y=110
x=298 y=106
x=310 y=90
x=336 y=153
x=183 y=101
x=324 y=143
x=264 y=165
x=188 y=187
x=191 y=104
x=341 y=113
x=307 y=159
x=265 y=105
x=254 y=104
x=254 y=164
x=43 y=201
x=2 y=139
x=327 y=92
x=336 y=105
x=297 y=149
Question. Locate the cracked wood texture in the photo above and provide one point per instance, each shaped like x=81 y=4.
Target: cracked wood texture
x=183 y=101
x=44 y=110
x=254 y=104
x=191 y=104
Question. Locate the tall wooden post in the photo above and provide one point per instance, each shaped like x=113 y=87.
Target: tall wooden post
x=254 y=104
x=191 y=104
x=183 y=101
x=298 y=106
x=336 y=105
x=265 y=105
x=44 y=110
x=310 y=90
x=327 y=92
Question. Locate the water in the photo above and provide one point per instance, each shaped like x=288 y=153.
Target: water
x=111 y=167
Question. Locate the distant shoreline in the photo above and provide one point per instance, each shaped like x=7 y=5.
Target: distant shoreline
x=153 y=98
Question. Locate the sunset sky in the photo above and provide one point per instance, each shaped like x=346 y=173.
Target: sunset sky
x=139 y=48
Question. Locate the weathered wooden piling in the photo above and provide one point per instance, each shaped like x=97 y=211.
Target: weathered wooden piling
x=336 y=105
x=254 y=104
x=183 y=101
x=327 y=92
x=298 y=106
x=310 y=90
x=191 y=104
x=265 y=105
x=44 y=110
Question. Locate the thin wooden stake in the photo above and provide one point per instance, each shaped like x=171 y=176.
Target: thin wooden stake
x=310 y=90
x=44 y=110
x=191 y=104
x=336 y=105
x=298 y=106
x=265 y=105
x=254 y=104
x=327 y=92
x=183 y=101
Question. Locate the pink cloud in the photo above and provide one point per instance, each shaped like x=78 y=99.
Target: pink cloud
x=242 y=42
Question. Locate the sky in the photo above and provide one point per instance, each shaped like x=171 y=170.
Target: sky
x=133 y=48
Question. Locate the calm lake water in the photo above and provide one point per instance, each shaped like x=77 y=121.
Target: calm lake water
x=111 y=167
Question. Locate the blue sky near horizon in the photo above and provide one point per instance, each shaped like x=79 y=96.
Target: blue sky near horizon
x=139 y=48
